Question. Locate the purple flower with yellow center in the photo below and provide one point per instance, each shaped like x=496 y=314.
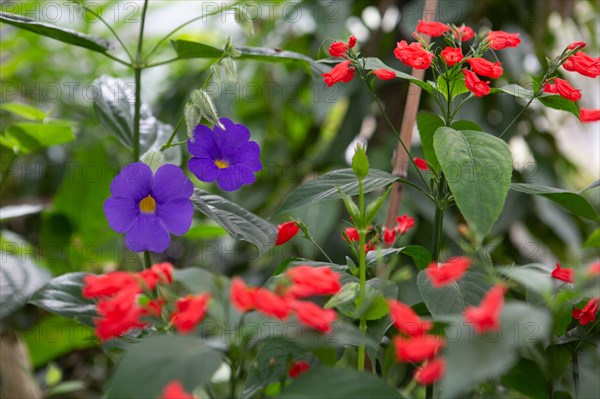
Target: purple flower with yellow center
x=147 y=207
x=225 y=155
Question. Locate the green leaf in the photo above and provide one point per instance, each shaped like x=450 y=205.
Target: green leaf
x=62 y=296
x=189 y=49
x=527 y=378
x=374 y=206
x=483 y=357
x=24 y=111
x=61 y=34
x=19 y=279
x=594 y=240
x=240 y=223
x=466 y=125
x=113 y=109
x=420 y=255
x=456 y=85
x=27 y=137
x=428 y=123
x=560 y=103
x=453 y=298
x=534 y=277
x=205 y=231
x=478 y=169
x=324 y=382
x=195 y=279
x=328 y=186
x=515 y=90
x=373 y=63
x=573 y=202
x=272 y=362
x=147 y=367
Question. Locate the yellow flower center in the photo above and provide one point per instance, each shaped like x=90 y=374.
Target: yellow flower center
x=148 y=205
x=221 y=164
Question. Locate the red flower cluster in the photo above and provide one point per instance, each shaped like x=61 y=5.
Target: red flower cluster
x=563 y=88
x=464 y=33
x=446 y=273
x=477 y=86
x=298 y=367
x=452 y=55
x=351 y=234
x=500 y=40
x=588 y=313
x=339 y=49
x=189 y=312
x=563 y=274
x=583 y=64
x=303 y=282
x=174 y=390
x=117 y=294
x=486 y=68
x=344 y=71
x=415 y=344
x=413 y=55
x=405 y=223
x=487 y=314
x=433 y=29
x=286 y=231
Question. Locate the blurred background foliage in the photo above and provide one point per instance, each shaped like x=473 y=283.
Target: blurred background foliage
x=303 y=129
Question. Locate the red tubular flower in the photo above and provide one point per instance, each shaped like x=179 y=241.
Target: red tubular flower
x=500 y=40
x=430 y=372
x=369 y=247
x=588 y=313
x=406 y=320
x=584 y=64
x=575 y=45
x=190 y=311
x=593 y=269
x=241 y=296
x=417 y=349
x=465 y=33
x=159 y=273
x=342 y=72
x=298 y=367
x=389 y=235
x=309 y=281
x=313 y=316
x=476 y=85
x=270 y=304
x=413 y=55
x=154 y=307
x=107 y=284
x=119 y=314
x=486 y=68
x=433 y=29
x=589 y=115
x=337 y=49
x=405 y=223
x=352 y=234
x=352 y=41
x=174 y=390
x=285 y=232
x=452 y=55
x=563 y=88
x=444 y=274
x=384 y=74
x=421 y=163
x=487 y=314
x=563 y=274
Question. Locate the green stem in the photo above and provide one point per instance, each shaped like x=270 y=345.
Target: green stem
x=147 y=260
x=518 y=115
x=137 y=67
x=438 y=222
x=575 y=367
x=362 y=233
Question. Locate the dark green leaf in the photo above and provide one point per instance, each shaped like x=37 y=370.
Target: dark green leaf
x=527 y=378
x=453 y=298
x=24 y=111
x=515 y=90
x=113 y=108
x=560 y=103
x=478 y=169
x=147 y=367
x=62 y=296
x=61 y=34
x=328 y=187
x=420 y=255
x=594 y=240
x=240 y=223
x=568 y=200
x=19 y=279
x=373 y=63
x=323 y=382
x=466 y=125
x=428 y=123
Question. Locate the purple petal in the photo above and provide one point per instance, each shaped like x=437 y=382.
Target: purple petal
x=170 y=183
x=176 y=215
x=133 y=181
x=147 y=233
x=121 y=213
x=248 y=156
x=204 y=169
x=232 y=178
x=230 y=139
x=203 y=143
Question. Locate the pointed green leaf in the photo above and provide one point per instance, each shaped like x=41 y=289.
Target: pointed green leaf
x=24 y=111
x=428 y=123
x=560 y=103
x=373 y=63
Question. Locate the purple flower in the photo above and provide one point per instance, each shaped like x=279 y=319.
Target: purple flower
x=224 y=155
x=147 y=207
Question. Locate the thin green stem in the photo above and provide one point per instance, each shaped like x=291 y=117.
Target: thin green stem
x=362 y=233
x=518 y=115
x=312 y=239
x=438 y=222
x=147 y=260
x=137 y=67
x=110 y=28
x=575 y=368
x=170 y=60
x=116 y=59
x=171 y=33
